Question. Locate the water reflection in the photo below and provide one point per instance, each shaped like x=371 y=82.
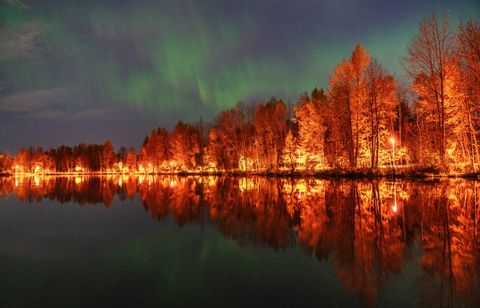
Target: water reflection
x=368 y=230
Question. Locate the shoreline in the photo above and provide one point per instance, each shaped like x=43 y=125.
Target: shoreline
x=369 y=174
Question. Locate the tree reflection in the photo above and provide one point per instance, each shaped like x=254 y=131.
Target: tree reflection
x=369 y=230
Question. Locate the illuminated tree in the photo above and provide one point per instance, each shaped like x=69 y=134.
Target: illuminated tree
x=427 y=60
x=379 y=111
x=310 y=116
x=63 y=158
x=347 y=94
x=107 y=156
x=122 y=153
x=460 y=112
x=359 y=62
x=154 y=150
x=131 y=160
x=270 y=121
x=291 y=152
x=184 y=145
x=404 y=124
x=6 y=163
x=214 y=156
x=230 y=138
x=22 y=161
x=468 y=86
x=469 y=54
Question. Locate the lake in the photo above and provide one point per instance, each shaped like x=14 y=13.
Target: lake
x=157 y=241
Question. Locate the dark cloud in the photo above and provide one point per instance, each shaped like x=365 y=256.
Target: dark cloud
x=24 y=42
x=32 y=101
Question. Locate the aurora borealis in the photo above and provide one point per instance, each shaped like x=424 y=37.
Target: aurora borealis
x=86 y=71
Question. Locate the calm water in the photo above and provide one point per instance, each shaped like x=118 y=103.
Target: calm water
x=237 y=242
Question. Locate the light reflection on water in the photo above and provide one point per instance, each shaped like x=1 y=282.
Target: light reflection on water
x=374 y=242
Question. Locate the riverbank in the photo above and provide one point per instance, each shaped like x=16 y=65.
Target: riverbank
x=411 y=172
x=359 y=173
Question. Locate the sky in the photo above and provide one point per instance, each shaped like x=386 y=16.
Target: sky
x=88 y=71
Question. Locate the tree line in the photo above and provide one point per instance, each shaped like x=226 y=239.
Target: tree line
x=365 y=119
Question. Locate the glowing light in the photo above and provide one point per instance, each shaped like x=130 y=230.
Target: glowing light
x=78 y=180
x=394 y=208
x=246 y=163
x=246 y=184
x=36 y=181
x=392 y=141
x=18 y=169
x=301 y=187
x=78 y=169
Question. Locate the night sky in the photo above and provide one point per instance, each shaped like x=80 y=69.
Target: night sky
x=86 y=71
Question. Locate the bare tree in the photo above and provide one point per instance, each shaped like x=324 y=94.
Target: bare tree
x=428 y=56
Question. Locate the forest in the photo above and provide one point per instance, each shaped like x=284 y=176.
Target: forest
x=367 y=119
